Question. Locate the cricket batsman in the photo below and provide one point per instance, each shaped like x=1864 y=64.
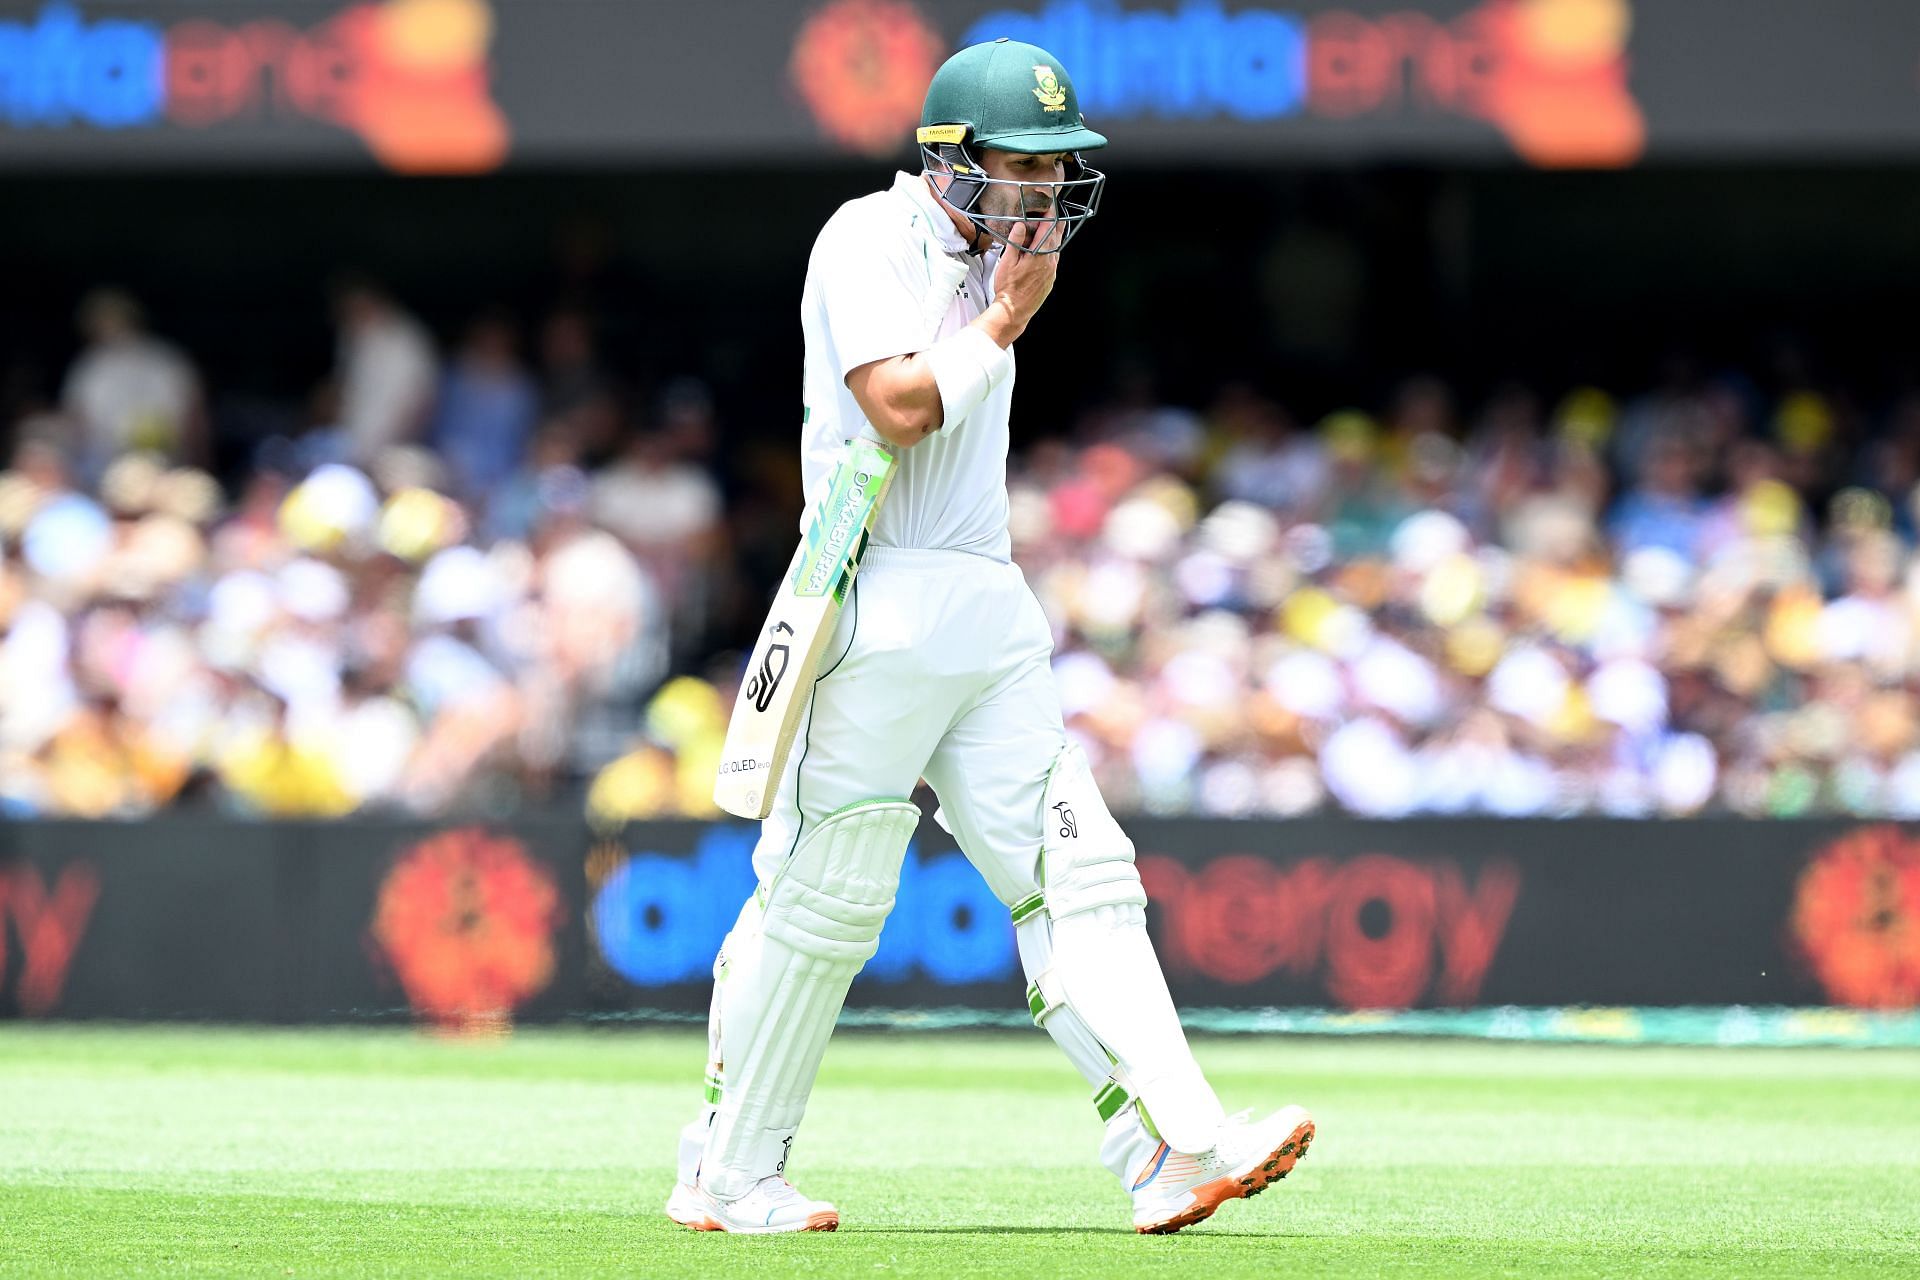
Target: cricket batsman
x=939 y=666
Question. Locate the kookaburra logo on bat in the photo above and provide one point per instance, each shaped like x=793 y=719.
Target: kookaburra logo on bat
x=772 y=667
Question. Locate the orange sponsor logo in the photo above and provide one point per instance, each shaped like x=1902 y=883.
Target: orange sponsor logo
x=49 y=920
x=1856 y=918
x=1551 y=75
x=466 y=921
x=1381 y=932
x=411 y=77
x=862 y=67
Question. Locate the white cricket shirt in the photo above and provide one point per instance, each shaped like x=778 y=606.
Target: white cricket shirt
x=868 y=296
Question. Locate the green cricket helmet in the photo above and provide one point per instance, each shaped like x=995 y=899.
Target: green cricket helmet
x=1008 y=96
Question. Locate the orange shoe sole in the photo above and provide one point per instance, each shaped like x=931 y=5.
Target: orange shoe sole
x=1210 y=1196
x=818 y=1222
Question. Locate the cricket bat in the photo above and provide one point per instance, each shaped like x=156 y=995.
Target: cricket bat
x=806 y=607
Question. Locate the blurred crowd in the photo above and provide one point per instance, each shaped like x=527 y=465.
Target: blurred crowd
x=457 y=588
x=1700 y=599
x=491 y=577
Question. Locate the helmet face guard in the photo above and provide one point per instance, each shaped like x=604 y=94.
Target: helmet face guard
x=960 y=180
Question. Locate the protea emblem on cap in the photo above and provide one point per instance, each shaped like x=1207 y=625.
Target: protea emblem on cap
x=1052 y=96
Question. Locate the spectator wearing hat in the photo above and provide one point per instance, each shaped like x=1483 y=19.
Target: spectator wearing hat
x=128 y=389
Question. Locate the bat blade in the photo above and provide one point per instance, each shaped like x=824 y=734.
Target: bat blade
x=806 y=607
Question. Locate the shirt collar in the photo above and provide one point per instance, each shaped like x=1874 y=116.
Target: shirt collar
x=914 y=187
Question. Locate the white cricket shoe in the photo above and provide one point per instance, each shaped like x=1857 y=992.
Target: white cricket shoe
x=683 y=1206
x=1175 y=1190
x=773 y=1205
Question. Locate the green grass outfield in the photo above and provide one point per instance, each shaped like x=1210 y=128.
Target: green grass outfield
x=137 y=1151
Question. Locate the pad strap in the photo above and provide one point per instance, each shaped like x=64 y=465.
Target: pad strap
x=1114 y=1095
x=1109 y=1098
x=1045 y=994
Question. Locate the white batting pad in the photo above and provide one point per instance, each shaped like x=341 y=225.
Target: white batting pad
x=1094 y=962
x=788 y=968
x=1104 y=962
x=1086 y=859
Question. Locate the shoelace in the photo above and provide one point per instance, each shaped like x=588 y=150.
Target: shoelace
x=780 y=1192
x=772 y=1191
x=1223 y=1156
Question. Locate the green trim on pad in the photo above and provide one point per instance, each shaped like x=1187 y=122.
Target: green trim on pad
x=861 y=804
x=1026 y=908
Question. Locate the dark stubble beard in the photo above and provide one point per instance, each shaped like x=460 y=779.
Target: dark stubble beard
x=1004 y=208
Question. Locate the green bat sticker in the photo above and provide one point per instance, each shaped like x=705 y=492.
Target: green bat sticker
x=841 y=518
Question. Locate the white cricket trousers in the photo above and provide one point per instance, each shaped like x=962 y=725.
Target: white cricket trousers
x=940 y=667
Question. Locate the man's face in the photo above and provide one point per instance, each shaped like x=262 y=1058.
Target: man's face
x=1013 y=166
